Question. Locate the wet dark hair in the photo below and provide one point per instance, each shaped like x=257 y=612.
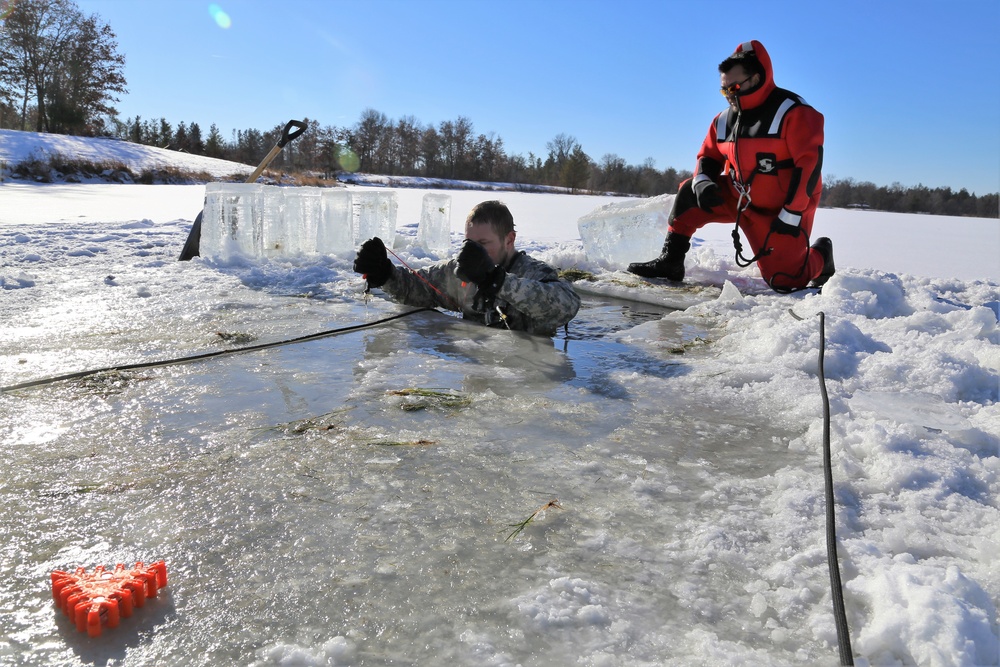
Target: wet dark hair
x=494 y=213
x=748 y=59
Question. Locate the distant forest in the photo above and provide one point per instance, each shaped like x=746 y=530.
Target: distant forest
x=60 y=71
x=378 y=145
x=453 y=150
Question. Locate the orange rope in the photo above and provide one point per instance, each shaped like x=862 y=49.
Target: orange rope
x=457 y=305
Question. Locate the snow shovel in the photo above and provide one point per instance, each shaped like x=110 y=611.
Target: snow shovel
x=192 y=247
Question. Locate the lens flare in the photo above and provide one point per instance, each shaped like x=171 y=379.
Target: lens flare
x=221 y=18
x=347 y=159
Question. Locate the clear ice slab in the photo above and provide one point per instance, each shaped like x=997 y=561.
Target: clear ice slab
x=254 y=220
x=618 y=234
x=434 y=230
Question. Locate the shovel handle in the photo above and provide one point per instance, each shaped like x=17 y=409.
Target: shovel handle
x=287 y=136
x=192 y=248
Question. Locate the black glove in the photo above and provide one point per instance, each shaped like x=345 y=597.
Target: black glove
x=476 y=266
x=706 y=193
x=373 y=262
x=780 y=227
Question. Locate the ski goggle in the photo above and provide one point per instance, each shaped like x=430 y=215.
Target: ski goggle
x=734 y=88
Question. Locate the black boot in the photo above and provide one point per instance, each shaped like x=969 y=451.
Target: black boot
x=824 y=247
x=670 y=263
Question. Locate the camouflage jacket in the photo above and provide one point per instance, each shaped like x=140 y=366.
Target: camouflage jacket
x=533 y=296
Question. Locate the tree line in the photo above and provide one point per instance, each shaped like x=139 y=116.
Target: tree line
x=847 y=193
x=453 y=150
x=60 y=72
x=59 y=69
x=450 y=150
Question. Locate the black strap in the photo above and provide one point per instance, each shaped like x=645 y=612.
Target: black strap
x=742 y=261
x=744 y=187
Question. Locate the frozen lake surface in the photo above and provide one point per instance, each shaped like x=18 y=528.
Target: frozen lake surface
x=356 y=499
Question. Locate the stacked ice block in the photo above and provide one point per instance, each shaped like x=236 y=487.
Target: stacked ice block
x=434 y=230
x=254 y=220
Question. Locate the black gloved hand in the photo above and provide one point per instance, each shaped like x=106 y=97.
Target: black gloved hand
x=476 y=266
x=778 y=226
x=706 y=193
x=373 y=262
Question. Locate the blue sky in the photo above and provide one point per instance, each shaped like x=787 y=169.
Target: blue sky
x=907 y=88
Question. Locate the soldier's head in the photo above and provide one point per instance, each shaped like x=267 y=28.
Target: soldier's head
x=740 y=73
x=491 y=225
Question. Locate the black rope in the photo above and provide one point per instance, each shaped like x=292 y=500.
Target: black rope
x=836 y=587
x=208 y=355
x=744 y=188
x=765 y=251
x=805 y=264
x=742 y=261
x=839 y=614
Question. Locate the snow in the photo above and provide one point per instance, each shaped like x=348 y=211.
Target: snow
x=17 y=146
x=311 y=513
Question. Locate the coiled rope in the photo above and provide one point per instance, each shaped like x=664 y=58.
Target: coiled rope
x=209 y=355
x=836 y=587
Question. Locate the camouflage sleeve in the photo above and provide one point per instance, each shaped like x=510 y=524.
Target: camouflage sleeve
x=536 y=290
x=533 y=296
x=413 y=288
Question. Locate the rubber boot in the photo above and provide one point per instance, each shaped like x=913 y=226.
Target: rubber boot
x=670 y=263
x=824 y=247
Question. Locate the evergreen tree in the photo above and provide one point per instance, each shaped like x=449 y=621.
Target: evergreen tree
x=135 y=131
x=214 y=145
x=249 y=146
x=560 y=150
x=165 y=134
x=180 y=142
x=195 y=143
x=575 y=170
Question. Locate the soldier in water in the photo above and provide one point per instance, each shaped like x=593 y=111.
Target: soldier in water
x=489 y=281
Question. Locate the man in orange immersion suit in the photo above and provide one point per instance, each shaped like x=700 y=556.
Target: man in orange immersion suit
x=759 y=167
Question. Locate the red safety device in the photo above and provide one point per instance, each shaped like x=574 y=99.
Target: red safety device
x=103 y=597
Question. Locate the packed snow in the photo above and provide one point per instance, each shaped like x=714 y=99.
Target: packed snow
x=644 y=489
x=18 y=146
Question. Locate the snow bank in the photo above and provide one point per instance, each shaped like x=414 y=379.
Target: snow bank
x=17 y=146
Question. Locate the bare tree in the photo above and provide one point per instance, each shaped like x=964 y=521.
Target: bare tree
x=430 y=152
x=65 y=62
x=560 y=150
x=35 y=35
x=408 y=132
x=456 y=145
x=369 y=131
x=489 y=158
x=82 y=87
x=388 y=149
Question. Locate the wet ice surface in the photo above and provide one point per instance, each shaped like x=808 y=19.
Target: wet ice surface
x=309 y=505
x=308 y=511
x=311 y=510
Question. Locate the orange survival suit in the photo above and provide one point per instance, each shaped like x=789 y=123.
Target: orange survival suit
x=766 y=158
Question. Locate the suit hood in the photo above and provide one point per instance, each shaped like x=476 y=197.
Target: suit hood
x=767 y=86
